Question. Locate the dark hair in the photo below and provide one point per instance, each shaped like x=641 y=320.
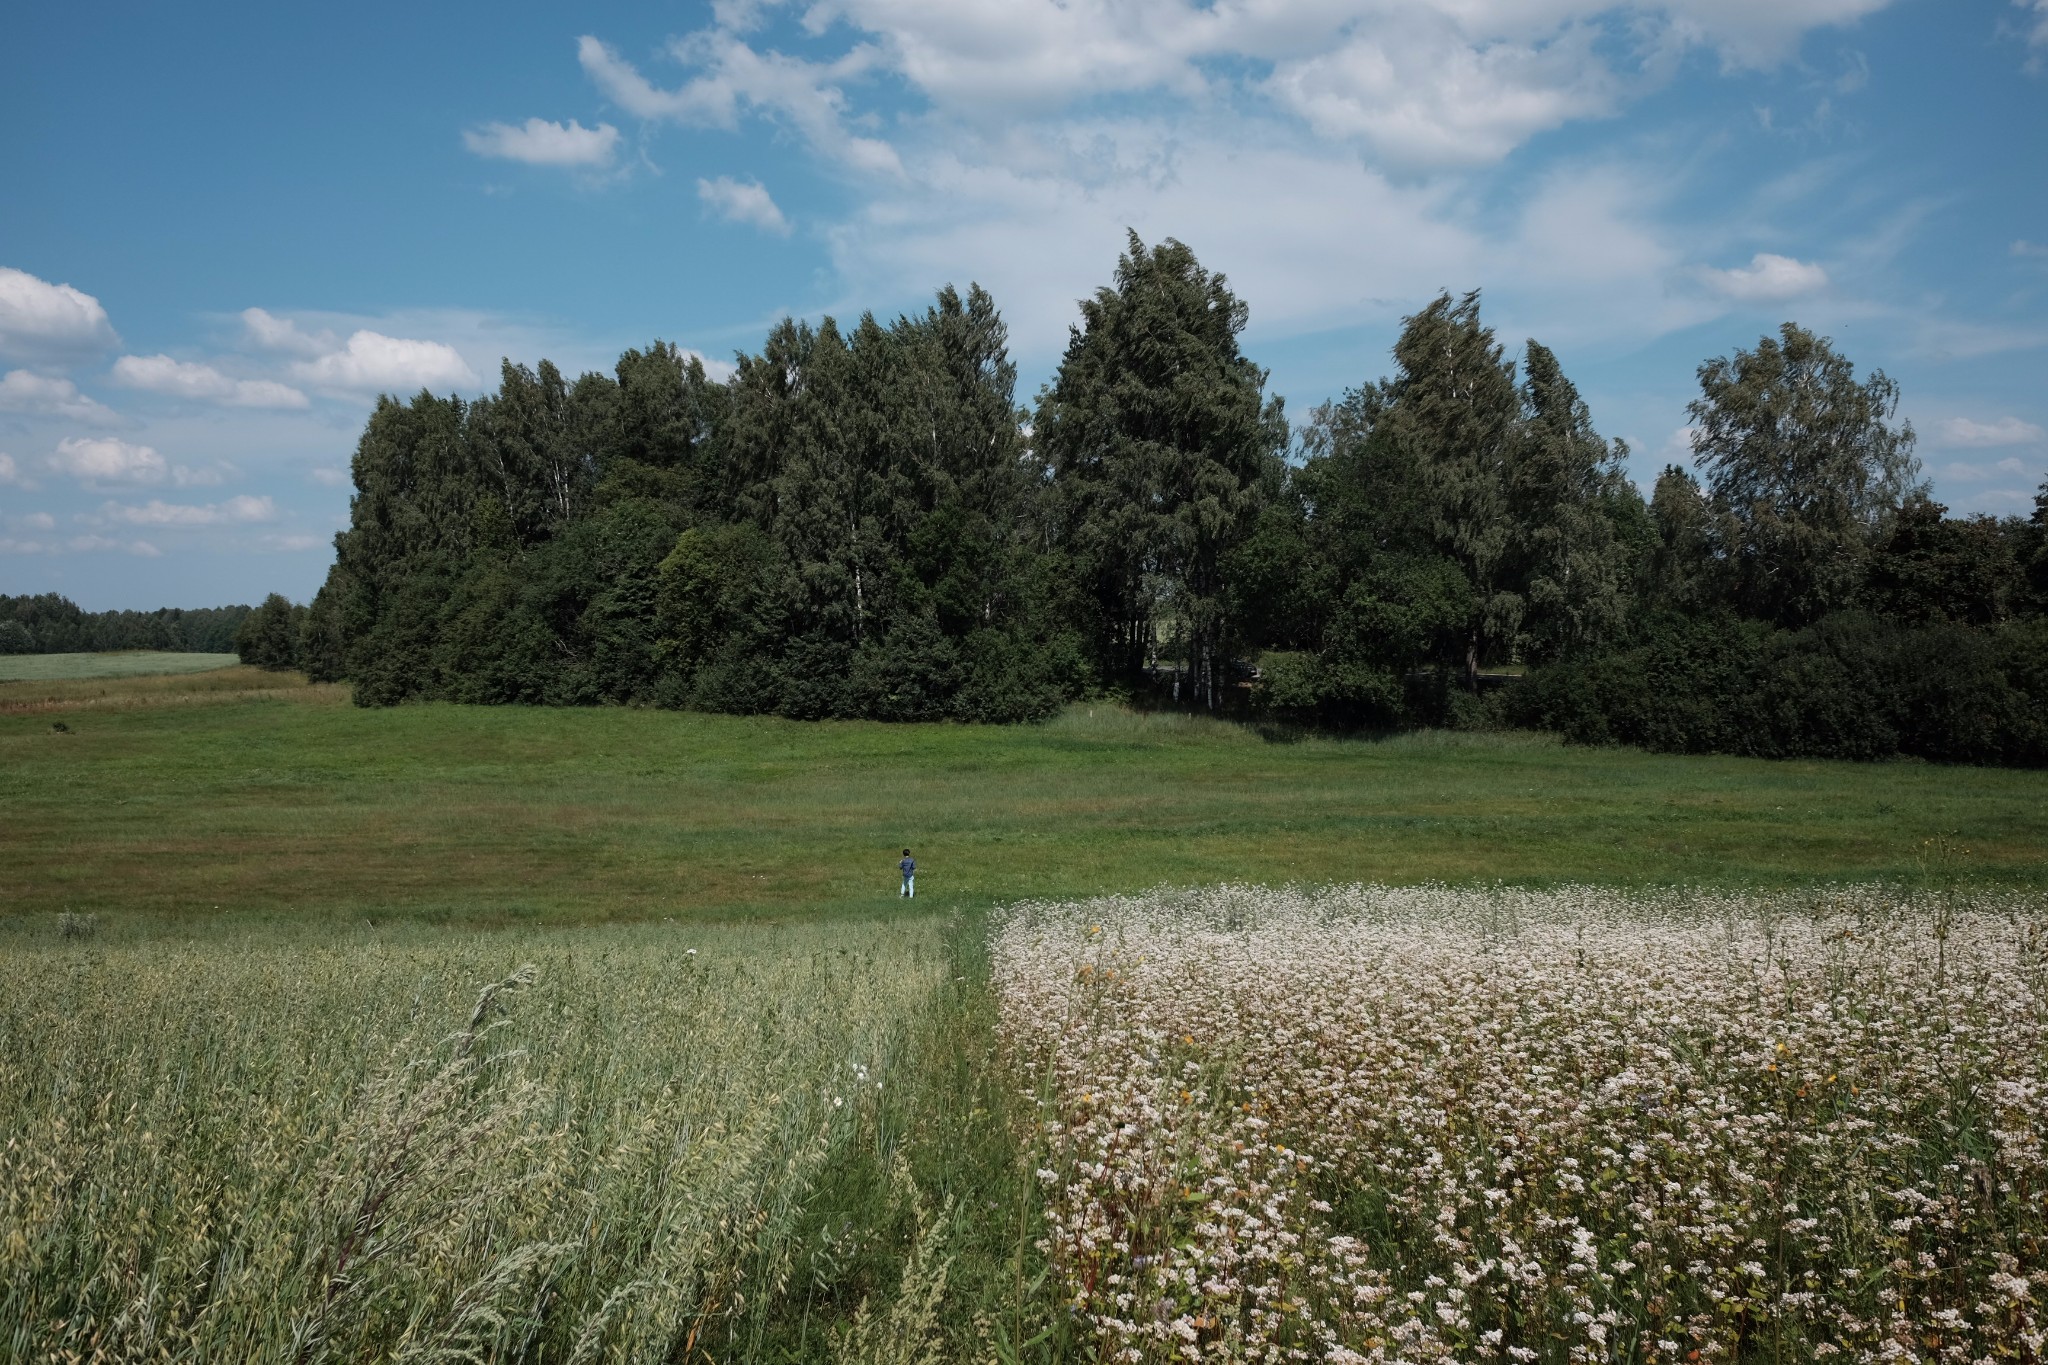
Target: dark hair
x=906 y=853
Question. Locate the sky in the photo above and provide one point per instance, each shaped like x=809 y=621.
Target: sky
x=225 y=230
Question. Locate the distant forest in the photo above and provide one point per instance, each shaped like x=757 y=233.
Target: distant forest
x=50 y=624
x=864 y=522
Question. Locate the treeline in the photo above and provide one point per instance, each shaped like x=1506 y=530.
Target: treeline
x=50 y=624
x=864 y=522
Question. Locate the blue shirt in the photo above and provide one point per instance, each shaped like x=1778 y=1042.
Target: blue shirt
x=909 y=865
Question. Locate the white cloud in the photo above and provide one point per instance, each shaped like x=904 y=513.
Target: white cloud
x=1767 y=278
x=140 y=548
x=34 y=521
x=1967 y=434
x=2023 y=247
x=274 y=333
x=40 y=320
x=241 y=510
x=374 y=363
x=185 y=379
x=2037 y=32
x=77 y=545
x=806 y=96
x=48 y=396
x=743 y=201
x=11 y=475
x=1677 y=448
x=105 y=460
x=328 y=477
x=1425 y=96
x=290 y=544
x=538 y=142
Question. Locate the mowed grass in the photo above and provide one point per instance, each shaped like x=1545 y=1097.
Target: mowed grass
x=124 y=663
x=241 y=793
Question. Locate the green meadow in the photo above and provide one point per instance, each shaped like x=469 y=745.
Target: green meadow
x=243 y=793
x=124 y=663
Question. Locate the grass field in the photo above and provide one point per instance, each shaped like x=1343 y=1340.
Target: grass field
x=730 y=1100
x=125 y=663
x=240 y=792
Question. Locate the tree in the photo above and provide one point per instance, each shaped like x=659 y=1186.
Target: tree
x=1454 y=416
x=1569 y=499
x=1804 y=463
x=1684 y=572
x=269 y=635
x=1161 y=449
x=1931 y=568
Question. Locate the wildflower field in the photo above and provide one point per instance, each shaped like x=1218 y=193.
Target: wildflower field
x=1497 y=1125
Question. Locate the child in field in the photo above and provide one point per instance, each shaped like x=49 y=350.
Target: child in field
x=909 y=866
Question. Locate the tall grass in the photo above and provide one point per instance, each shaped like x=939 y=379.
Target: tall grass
x=606 y=1145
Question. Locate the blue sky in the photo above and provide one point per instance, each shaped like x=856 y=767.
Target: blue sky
x=227 y=228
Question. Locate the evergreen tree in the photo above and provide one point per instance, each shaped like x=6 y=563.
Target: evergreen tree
x=1574 y=558
x=269 y=635
x=1162 y=450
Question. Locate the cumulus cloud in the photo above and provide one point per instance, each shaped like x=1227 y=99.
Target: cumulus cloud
x=237 y=511
x=11 y=475
x=743 y=201
x=1428 y=97
x=106 y=461
x=44 y=321
x=274 y=333
x=806 y=96
x=44 y=395
x=1967 y=434
x=538 y=142
x=327 y=476
x=186 y=379
x=10 y=545
x=1767 y=278
x=374 y=363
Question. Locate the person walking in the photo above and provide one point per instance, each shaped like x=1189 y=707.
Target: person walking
x=909 y=866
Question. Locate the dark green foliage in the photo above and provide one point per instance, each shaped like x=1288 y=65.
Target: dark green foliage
x=1930 y=568
x=1450 y=519
x=847 y=528
x=1162 y=451
x=1849 y=686
x=861 y=523
x=50 y=624
x=269 y=636
x=1805 y=469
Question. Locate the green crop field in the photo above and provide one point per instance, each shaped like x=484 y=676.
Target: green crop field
x=531 y=1035
x=125 y=663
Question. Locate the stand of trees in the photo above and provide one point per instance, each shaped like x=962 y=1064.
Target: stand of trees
x=863 y=522
x=50 y=624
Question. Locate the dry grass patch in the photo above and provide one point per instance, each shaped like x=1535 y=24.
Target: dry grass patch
x=236 y=683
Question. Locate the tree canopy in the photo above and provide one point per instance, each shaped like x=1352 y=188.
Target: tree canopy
x=863 y=521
